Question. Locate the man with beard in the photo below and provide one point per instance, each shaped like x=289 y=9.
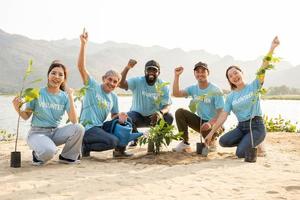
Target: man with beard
x=149 y=105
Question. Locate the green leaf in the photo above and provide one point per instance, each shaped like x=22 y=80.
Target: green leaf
x=30 y=94
x=193 y=106
x=28 y=70
x=86 y=122
x=36 y=81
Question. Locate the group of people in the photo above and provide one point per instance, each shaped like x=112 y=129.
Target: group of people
x=91 y=131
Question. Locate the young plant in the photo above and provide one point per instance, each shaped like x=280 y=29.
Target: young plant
x=160 y=93
x=261 y=91
x=160 y=134
x=27 y=95
x=194 y=103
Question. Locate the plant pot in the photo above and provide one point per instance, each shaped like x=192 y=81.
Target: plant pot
x=150 y=148
x=251 y=155
x=15 y=159
x=201 y=149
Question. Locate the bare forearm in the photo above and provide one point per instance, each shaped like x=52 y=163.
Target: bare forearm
x=25 y=114
x=72 y=114
x=176 y=86
x=165 y=109
x=123 y=82
x=81 y=64
x=220 y=121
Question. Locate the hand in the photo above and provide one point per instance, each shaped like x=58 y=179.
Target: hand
x=205 y=126
x=17 y=102
x=275 y=43
x=155 y=117
x=208 y=138
x=122 y=117
x=69 y=91
x=131 y=63
x=178 y=71
x=84 y=37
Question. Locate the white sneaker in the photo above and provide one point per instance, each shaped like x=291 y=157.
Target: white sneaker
x=182 y=147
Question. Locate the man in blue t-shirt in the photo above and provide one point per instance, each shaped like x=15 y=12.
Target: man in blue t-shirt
x=207 y=100
x=150 y=96
x=99 y=101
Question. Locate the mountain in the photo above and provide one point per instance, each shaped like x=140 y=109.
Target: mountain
x=16 y=50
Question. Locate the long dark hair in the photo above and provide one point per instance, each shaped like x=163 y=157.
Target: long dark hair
x=57 y=63
x=232 y=86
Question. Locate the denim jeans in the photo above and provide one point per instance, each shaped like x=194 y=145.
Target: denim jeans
x=240 y=136
x=43 y=141
x=139 y=121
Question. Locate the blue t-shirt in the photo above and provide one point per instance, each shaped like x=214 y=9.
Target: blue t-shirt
x=49 y=108
x=97 y=104
x=245 y=103
x=211 y=100
x=145 y=97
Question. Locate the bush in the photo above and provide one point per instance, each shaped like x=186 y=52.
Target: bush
x=5 y=136
x=278 y=124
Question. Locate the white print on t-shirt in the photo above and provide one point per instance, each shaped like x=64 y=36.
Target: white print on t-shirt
x=149 y=95
x=53 y=106
x=242 y=98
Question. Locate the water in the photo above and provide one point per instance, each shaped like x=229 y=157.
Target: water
x=288 y=109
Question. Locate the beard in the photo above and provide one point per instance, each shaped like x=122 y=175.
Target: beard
x=150 y=79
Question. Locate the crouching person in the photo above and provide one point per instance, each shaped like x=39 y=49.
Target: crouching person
x=98 y=102
x=47 y=110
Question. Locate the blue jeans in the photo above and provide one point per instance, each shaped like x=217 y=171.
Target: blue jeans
x=139 y=121
x=240 y=136
x=99 y=138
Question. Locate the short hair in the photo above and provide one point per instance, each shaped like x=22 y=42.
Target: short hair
x=112 y=73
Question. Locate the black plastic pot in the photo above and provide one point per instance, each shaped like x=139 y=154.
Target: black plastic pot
x=251 y=155
x=201 y=149
x=15 y=159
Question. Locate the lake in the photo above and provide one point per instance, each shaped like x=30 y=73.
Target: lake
x=288 y=109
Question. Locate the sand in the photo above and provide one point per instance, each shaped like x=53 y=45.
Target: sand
x=166 y=176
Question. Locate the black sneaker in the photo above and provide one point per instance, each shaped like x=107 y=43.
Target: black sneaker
x=121 y=154
x=35 y=161
x=84 y=151
x=67 y=161
x=133 y=143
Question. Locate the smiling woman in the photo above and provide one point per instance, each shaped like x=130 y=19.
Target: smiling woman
x=250 y=131
x=48 y=110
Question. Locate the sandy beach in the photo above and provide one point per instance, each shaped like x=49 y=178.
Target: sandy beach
x=167 y=176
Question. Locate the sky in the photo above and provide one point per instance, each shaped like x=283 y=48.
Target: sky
x=243 y=29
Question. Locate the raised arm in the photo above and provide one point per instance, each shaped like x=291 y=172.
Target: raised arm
x=176 y=90
x=123 y=83
x=82 y=58
x=267 y=59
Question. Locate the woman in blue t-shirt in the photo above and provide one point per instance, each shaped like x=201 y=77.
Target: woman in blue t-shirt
x=47 y=112
x=244 y=102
